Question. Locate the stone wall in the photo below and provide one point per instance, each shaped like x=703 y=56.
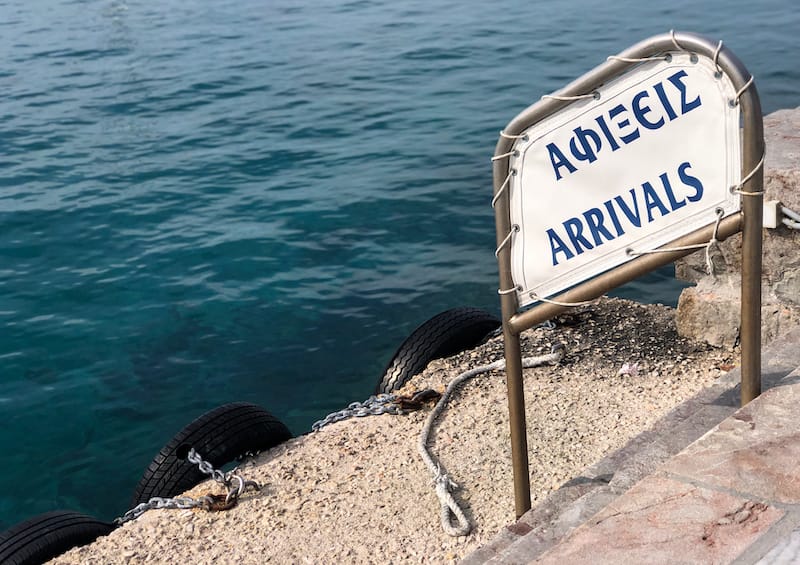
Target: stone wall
x=710 y=310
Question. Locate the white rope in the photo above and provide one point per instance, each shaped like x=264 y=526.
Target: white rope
x=738 y=188
x=708 y=245
x=635 y=60
x=716 y=56
x=508 y=290
x=523 y=136
x=735 y=100
x=450 y=509
x=503 y=186
x=677 y=45
x=595 y=95
x=633 y=253
x=713 y=241
x=557 y=303
x=515 y=153
x=514 y=229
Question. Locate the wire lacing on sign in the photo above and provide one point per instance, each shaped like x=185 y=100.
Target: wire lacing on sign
x=511 y=290
x=677 y=45
x=507 y=240
x=708 y=245
x=502 y=189
x=716 y=57
x=638 y=60
x=514 y=153
x=522 y=136
x=738 y=188
x=596 y=95
x=735 y=101
x=559 y=303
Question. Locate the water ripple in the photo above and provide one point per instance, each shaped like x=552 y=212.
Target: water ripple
x=239 y=200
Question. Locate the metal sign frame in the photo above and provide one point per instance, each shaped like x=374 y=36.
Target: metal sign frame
x=748 y=221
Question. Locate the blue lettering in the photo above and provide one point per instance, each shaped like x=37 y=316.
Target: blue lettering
x=675 y=204
x=583 y=136
x=594 y=219
x=635 y=219
x=659 y=88
x=689 y=180
x=558 y=246
x=601 y=121
x=651 y=200
x=640 y=112
x=614 y=218
x=574 y=229
x=685 y=106
x=575 y=238
x=617 y=128
x=613 y=113
x=562 y=161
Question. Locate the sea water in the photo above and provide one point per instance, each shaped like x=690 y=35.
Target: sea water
x=206 y=202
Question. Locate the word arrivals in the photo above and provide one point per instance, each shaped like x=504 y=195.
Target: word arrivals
x=643 y=204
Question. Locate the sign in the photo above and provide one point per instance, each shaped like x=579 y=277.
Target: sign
x=650 y=157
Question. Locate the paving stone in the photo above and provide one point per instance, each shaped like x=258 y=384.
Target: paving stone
x=755 y=451
x=662 y=520
x=785 y=552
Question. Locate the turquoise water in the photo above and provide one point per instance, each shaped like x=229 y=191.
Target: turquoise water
x=208 y=202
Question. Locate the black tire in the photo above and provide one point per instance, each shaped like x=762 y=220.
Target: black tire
x=447 y=333
x=48 y=535
x=226 y=433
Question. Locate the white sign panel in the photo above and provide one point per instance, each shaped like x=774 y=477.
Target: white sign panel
x=649 y=160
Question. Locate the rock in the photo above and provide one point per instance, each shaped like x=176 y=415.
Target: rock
x=710 y=311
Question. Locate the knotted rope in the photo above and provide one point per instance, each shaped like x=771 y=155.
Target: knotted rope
x=450 y=509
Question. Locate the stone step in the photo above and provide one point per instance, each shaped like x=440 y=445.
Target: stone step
x=579 y=499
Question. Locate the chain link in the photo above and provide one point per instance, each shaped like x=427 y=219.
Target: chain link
x=375 y=405
x=209 y=502
x=156 y=502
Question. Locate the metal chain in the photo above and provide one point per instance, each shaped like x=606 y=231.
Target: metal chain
x=375 y=405
x=209 y=502
x=158 y=502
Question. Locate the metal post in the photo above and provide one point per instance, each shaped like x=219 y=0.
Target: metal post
x=516 y=394
x=750 y=333
x=516 y=414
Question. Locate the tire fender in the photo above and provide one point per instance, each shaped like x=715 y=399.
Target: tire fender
x=220 y=436
x=48 y=535
x=447 y=333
